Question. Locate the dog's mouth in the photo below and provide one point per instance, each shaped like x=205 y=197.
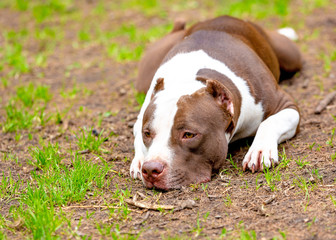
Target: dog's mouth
x=175 y=182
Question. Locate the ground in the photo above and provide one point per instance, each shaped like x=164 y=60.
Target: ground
x=68 y=106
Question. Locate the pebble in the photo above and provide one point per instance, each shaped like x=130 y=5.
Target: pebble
x=95 y=132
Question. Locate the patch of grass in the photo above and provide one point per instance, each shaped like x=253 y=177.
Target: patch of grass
x=271 y=177
x=120 y=208
x=309 y=5
x=46 y=157
x=70 y=94
x=333 y=200
x=124 y=53
x=148 y=8
x=84 y=35
x=4 y=81
x=28 y=95
x=47 y=38
x=55 y=185
x=86 y=140
x=284 y=159
x=26 y=107
x=330 y=141
x=301 y=162
x=311 y=145
x=306 y=186
x=8 y=186
x=140 y=98
x=257 y=9
x=11 y=157
x=38 y=214
x=65 y=185
x=234 y=164
x=16 y=118
x=327 y=60
x=130 y=35
x=15 y=59
x=42 y=11
x=198 y=229
x=310 y=223
x=227 y=201
x=333 y=157
x=316 y=173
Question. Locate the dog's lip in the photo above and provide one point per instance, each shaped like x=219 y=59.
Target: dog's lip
x=156 y=185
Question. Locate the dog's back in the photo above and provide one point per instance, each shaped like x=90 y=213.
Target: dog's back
x=277 y=51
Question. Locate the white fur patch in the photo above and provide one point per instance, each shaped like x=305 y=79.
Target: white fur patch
x=179 y=75
x=289 y=33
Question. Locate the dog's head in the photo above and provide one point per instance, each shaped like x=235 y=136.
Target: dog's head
x=185 y=137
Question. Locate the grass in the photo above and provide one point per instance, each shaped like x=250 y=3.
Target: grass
x=333 y=200
x=9 y=186
x=327 y=60
x=301 y=162
x=53 y=186
x=87 y=140
x=272 y=177
x=252 y=8
x=47 y=156
x=234 y=165
x=330 y=141
x=27 y=107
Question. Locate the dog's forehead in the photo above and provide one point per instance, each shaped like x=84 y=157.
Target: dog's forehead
x=166 y=103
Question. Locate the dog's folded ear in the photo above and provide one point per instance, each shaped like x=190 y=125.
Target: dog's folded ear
x=179 y=24
x=222 y=95
x=158 y=86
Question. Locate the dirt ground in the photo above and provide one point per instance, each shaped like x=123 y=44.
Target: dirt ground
x=234 y=203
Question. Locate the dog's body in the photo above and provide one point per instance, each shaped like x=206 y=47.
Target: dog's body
x=215 y=83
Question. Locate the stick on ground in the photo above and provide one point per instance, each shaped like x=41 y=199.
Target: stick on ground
x=324 y=102
x=149 y=205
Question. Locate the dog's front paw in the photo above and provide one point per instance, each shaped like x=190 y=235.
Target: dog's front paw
x=261 y=154
x=135 y=169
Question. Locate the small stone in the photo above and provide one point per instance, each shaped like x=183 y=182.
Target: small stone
x=95 y=132
x=122 y=91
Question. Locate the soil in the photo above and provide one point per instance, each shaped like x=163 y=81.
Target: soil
x=232 y=200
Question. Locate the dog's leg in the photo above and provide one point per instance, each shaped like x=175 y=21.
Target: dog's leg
x=272 y=131
x=138 y=159
x=287 y=52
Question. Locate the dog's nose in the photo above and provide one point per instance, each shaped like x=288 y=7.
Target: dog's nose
x=151 y=170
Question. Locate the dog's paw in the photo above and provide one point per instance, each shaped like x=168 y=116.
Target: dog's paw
x=260 y=154
x=135 y=169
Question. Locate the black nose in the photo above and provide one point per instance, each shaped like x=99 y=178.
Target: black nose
x=151 y=170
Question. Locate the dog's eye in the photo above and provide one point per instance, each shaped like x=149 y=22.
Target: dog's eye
x=147 y=133
x=188 y=135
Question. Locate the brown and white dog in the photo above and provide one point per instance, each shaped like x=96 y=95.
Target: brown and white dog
x=212 y=84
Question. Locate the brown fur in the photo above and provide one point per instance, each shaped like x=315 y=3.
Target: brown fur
x=275 y=50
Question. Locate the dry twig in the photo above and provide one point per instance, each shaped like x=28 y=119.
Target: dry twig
x=324 y=102
x=151 y=206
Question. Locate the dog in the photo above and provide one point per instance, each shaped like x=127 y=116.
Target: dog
x=209 y=85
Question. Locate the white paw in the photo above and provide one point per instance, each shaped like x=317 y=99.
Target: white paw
x=135 y=169
x=260 y=154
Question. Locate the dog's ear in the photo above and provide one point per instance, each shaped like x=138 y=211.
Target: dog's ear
x=179 y=24
x=158 y=86
x=222 y=95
